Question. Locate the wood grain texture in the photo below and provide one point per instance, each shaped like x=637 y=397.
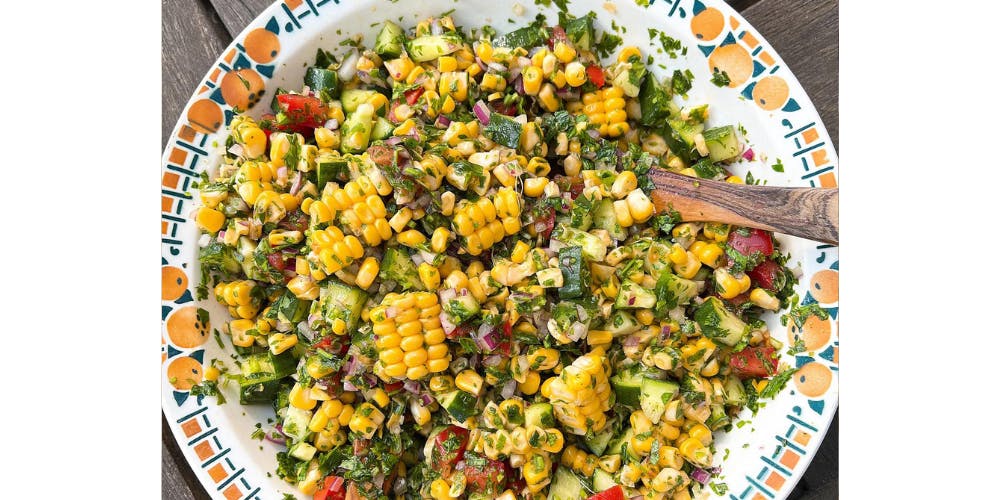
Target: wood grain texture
x=192 y=38
x=805 y=34
x=237 y=14
x=811 y=213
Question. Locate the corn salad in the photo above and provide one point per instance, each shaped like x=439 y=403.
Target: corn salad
x=444 y=271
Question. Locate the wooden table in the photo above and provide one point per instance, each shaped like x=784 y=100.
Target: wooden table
x=805 y=33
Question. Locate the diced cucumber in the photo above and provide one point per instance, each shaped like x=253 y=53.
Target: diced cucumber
x=465 y=175
x=340 y=301
x=722 y=143
x=654 y=103
x=330 y=168
x=655 y=396
x=593 y=248
x=718 y=418
x=399 y=267
x=657 y=258
x=389 y=43
x=540 y=414
x=296 y=423
x=430 y=47
x=603 y=481
x=673 y=291
x=707 y=169
x=323 y=82
x=503 y=130
x=580 y=31
x=357 y=129
x=383 y=128
x=527 y=37
x=302 y=451
x=718 y=324
x=575 y=273
x=620 y=446
x=604 y=218
x=632 y=295
x=261 y=376
x=734 y=391
x=350 y=99
x=686 y=130
x=461 y=308
x=627 y=385
x=621 y=323
x=598 y=441
x=566 y=486
x=459 y=404
x=290 y=308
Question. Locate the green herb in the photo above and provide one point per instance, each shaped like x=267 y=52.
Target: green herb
x=607 y=44
x=719 y=488
x=209 y=388
x=670 y=45
x=777 y=383
x=720 y=78
x=680 y=82
x=778 y=167
x=800 y=314
x=642 y=3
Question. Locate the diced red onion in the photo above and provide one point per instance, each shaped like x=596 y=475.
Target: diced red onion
x=594 y=134
x=442 y=121
x=417 y=259
x=365 y=77
x=567 y=93
x=446 y=323
x=332 y=124
x=507 y=391
x=577 y=331
x=370 y=379
x=474 y=361
x=481 y=64
x=412 y=386
x=519 y=84
x=391 y=311
x=482 y=112
x=582 y=313
x=350 y=387
x=426 y=399
x=307 y=332
x=298 y=180
x=492 y=361
x=748 y=154
x=630 y=341
x=282 y=174
x=495 y=66
x=394 y=140
x=283 y=326
x=275 y=437
x=700 y=475
x=348 y=67
x=236 y=149
x=354 y=366
x=436 y=28
x=460 y=465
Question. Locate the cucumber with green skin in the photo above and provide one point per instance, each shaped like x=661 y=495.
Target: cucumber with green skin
x=580 y=30
x=541 y=415
x=604 y=218
x=323 y=82
x=576 y=274
x=627 y=385
x=331 y=168
x=672 y=291
x=603 y=481
x=340 y=301
x=527 y=37
x=350 y=99
x=399 y=267
x=598 y=442
x=632 y=295
x=430 y=47
x=389 y=43
x=261 y=376
x=459 y=404
x=593 y=248
x=296 y=423
x=382 y=129
x=718 y=324
x=361 y=120
x=654 y=397
x=566 y=486
x=722 y=143
x=621 y=323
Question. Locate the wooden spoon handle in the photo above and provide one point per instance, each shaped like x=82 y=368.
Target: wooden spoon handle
x=811 y=213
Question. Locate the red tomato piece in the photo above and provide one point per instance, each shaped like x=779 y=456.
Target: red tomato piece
x=596 y=75
x=765 y=275
x=332 y=489
x=302 y=113
x=558 y=35
x=413 y=94
x=276 y=261
x=449 y=448
x=613 y=493
x=754 y=362
x=488 y=479
x=757 y=241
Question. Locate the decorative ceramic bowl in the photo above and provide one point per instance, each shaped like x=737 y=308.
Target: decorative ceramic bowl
x=761 y=460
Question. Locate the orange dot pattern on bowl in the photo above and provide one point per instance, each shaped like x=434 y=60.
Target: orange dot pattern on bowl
x=242 y=88
x=175 y=282
x=815 y=333
x=184 y=372
x=262 y=45
x=205 y=116
x=770 y=93
x=185 y=329
x=734 y=60
x=825 y=286
x=813 y=379
x=708 y=24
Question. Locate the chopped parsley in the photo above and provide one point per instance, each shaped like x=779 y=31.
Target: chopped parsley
x=720 y=78
x=778 y=167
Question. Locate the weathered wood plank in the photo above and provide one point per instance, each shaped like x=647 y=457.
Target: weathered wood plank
x=178 y=482
x=805 y=34
x=237 y=14
x=192 y=39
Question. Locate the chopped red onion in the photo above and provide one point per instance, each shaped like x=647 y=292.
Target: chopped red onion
x=236 y=149
x=307 y=332
x=482 y=112
x=391 y=311
x=442 y=121
x=492 y=361
x=365 y=77
x=630 y=341
x=417 y=259
x=436 y=28
x=394 y=140
x=426 y=399
x=350 y=387
x=519 y=84
x=275 y=436
x=577 y=331
x=495 y=66
x=348 y=67
x=700 y=475
x=370 y=379
x=460 y=465
x=298 y=180
x=354 y=366
x=481 y=64
x=332 y=124
x=507 y=391
x=411 y=386
x=567 y=93
x=594 y=134
x=748 y=154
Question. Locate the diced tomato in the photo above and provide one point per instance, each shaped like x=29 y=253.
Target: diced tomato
x=413 y=94
x=757 y=240
x=504 y=109
x=332 y=489
x=393 y=387
x=276 y=261
x=295 y=220
x=460 y=331
x=381 y=155
x=754 y=362
x=765 y=275
x=596 y=75
x=487 y=479
x=302 y=113
x=613 y=493
x=449 y=448
x=508 y=336
x=558 y=35
x=543 y=221
x=361 y=447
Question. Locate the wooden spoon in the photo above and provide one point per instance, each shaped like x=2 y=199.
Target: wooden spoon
x=811 y=213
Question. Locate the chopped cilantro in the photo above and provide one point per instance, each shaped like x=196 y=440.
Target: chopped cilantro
x=720 y=78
